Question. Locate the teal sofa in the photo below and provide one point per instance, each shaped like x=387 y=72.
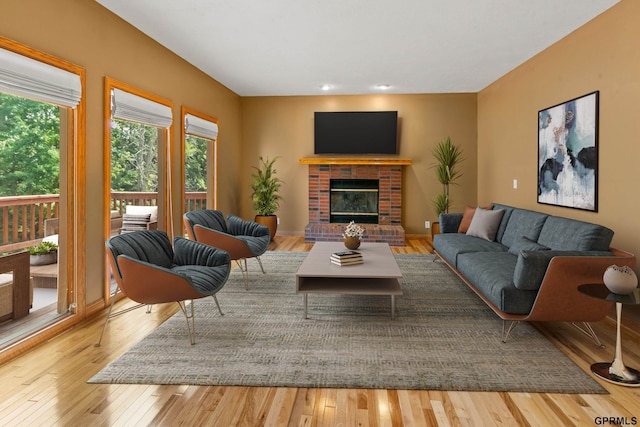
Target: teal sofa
x=532 y=268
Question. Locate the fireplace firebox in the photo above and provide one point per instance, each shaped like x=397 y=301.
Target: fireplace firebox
x=354 y=200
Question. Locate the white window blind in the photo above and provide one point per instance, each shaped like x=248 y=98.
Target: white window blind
x=196 y=126
x=27 y=77
x=134 y=108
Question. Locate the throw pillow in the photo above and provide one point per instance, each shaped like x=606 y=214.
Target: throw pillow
x=466 y=219
x=467 y=216
x=485 y=223
x=523 y=243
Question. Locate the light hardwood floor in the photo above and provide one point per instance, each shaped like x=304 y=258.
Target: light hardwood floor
x=47 y=386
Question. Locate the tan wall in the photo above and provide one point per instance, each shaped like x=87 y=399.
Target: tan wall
x=602 y=55
x=283 y=126
x=86 y=34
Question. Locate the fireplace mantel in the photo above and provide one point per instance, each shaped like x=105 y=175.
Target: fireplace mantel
x=381 y=161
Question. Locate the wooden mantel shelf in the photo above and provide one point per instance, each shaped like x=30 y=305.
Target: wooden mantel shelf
x=387 y=161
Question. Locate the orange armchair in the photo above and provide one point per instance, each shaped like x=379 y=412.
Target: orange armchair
x=240 y=238
x=149 y=271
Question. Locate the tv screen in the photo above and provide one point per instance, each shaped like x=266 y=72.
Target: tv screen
x=356 y=132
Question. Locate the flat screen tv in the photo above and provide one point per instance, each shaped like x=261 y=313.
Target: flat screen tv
x=356 y=132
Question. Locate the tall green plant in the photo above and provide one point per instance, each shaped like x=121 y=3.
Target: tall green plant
x=266 y=185
x=448 y=156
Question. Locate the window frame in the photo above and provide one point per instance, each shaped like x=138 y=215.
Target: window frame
x=73 y=268
x=165 y=221
x=212 y=159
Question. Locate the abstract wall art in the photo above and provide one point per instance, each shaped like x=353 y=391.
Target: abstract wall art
x=568 y=153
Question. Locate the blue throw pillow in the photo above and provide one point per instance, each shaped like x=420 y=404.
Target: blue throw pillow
x=523 y=243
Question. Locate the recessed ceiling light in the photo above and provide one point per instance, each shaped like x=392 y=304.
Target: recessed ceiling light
x=325 y=87
x=383 y=86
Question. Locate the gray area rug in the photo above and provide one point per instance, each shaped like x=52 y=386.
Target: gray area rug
x=443 y=338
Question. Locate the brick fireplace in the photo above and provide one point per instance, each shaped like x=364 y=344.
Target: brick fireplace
x=388 y=174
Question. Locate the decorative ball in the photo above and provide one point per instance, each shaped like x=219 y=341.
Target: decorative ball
x=620 y=280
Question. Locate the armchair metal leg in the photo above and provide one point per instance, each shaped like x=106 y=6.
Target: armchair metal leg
x=218 y=304
x=111 y=315
x=191 y=320
x=106 y=320
x=261 y=267
x=244 y=271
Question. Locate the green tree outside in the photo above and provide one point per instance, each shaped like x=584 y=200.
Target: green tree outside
x=195 y=164
x=29 y=147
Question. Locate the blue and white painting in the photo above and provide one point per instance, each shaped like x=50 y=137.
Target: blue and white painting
x=568 y=154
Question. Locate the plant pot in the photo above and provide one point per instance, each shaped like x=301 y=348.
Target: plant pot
x=43 y=259
x=271 y=221
x=352 y=243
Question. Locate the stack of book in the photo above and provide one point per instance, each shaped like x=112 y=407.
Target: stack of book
x=346 y=258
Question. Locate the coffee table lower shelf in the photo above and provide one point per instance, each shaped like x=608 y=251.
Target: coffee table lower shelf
x=349 y=286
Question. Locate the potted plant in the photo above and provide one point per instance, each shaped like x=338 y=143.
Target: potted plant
x=448 y=156
x=43 y=253
x=265 y=197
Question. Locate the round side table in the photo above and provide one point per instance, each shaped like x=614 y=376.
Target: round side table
x=616 y=371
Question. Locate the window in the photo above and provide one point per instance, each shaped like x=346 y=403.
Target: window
x=199 y=140
x=42 y=185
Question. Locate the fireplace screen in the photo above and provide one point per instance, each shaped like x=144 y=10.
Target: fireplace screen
x=354 y=200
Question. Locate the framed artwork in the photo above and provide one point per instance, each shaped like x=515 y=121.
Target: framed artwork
x=568 y=154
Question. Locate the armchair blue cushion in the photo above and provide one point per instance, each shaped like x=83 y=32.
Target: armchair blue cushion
x=242 y=239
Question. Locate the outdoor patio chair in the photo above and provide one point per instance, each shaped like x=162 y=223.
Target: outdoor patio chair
x=150 y=271
x=242 y=239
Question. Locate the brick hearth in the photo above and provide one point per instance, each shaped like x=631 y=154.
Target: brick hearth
x=389 y=174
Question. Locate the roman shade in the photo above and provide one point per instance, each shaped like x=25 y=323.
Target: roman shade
x=23 y=76
x=196 y=126
x=134 y=108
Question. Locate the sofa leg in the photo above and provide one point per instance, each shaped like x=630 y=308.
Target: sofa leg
x=507 y=331
x=585 y=328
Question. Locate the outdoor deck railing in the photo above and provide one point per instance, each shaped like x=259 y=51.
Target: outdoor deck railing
x=22 y=217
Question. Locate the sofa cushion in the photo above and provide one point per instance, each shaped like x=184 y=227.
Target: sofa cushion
x=152 y=211
x=449 y=222
x=508 y=210
x=492 y=275
x=523 y=243
x=523 y=223
x=485 y=223
x=569 y=234
x=531 y=266
x=450 y=245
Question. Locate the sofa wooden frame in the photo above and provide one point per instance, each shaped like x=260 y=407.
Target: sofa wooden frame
x=558 y=298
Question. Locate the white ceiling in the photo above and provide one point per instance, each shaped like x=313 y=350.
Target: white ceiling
x=293 y=47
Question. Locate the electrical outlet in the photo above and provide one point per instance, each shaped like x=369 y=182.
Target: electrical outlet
x=427 y=224
x=278 y=221
x=515 y=183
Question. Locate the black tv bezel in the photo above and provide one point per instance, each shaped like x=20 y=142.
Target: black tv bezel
x=343 y=144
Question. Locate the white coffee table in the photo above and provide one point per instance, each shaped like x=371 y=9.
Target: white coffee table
x=378 y=275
